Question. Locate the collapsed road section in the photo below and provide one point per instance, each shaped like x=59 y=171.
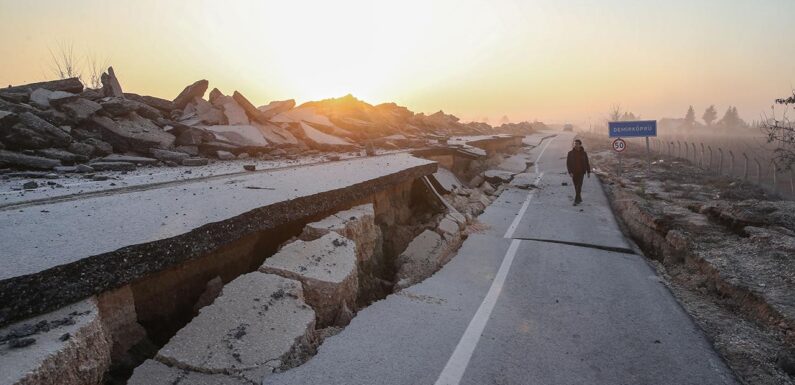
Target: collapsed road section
x=125 y=276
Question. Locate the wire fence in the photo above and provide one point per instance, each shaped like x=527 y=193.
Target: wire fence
x=746 y=157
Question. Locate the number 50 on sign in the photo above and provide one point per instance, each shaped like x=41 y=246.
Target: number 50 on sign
x=619 y=145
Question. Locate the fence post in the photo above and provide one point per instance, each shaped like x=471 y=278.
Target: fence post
x=775 y=172
x=709 y=164
x=731 y=163
x=701 y=160
x=687 y=152
x=720 y=163
x=695 y=156
x=758 y=172
x=679 y=146
x=792 y=181
x=745 y=170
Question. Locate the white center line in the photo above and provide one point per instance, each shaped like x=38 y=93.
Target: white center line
x=457 y=364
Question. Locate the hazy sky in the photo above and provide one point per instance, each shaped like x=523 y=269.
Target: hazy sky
x=551 y=60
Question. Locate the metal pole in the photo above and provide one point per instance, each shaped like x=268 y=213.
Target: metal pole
x=758 y=172
x=687 y=152
x=720 y=164
x=745 y=169
x=701 y=160
x=709 y=165
x=731 y=163
x=775 y=171
x=695 y=156
x=648 y=159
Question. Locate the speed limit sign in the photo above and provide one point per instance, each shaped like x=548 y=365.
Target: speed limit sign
x=619 y=145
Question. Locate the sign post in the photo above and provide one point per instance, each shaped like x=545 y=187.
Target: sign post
x=619 y=145
x=633 y=129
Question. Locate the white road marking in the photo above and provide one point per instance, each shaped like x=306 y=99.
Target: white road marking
x=520 y=214
x=458 y=362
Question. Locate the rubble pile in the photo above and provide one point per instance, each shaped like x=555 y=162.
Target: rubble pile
x=56 y=125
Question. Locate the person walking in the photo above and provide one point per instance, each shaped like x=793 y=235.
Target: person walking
x=578 y=165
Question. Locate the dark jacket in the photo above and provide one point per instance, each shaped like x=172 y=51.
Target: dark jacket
x=577 y=162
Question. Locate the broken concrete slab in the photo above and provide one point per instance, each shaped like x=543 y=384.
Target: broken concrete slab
x=194 y=162
x=72 y=85
x=320 y=140
x=446 y=181
x=195 y=90
x=235 y=114
x=252 y=112
x=421 y=259
x=498 y=176
x=276 y=135
x=100 y=147
x=158 y=103
x=80 y=109
x=110 y=84
x=277 y=107
x=64 y=156
x=40 y=98
x=51 y=133
x=57 y=99
x=327 y=269
x=74 y=258
x=67 y=346
x=255 y=322
x=207 y=113
x=153 y=372
x=112 y=166
x=356 y=224
x=448 y=226
x=171 y=156
x=224 y=155
x=120 y=320
x=244 y=136
x=133 y=134
x=27 y=161
x=140 y=160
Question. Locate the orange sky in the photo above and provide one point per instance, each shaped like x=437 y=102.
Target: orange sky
x=525 y=59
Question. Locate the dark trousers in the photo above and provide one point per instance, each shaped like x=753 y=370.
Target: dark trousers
x=577 y=179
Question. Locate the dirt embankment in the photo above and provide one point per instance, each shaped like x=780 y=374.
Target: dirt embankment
x=726 y=249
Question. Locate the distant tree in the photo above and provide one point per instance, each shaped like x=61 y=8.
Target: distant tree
x=690 y=117
x=710 y=114
x=731 y=119
x=615 y=113
x=781 y=132
x=627 y=116
x=505 y=119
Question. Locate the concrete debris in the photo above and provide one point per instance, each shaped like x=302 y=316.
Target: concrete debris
x=211 y=292
x=277 y=107
x=195 y=90
x=327 y=269
x=166 y=155
x=35 y=351
x=110 y=84
x=498 y=176
x=14 y=159
x=112 y=166
x=243 y=136
x=423 y=257
x=72 y=85
x=193 y=162
x=252 y=112
x=90 y=123
x=224 y=155
x=270 y=319
x=153 y=372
